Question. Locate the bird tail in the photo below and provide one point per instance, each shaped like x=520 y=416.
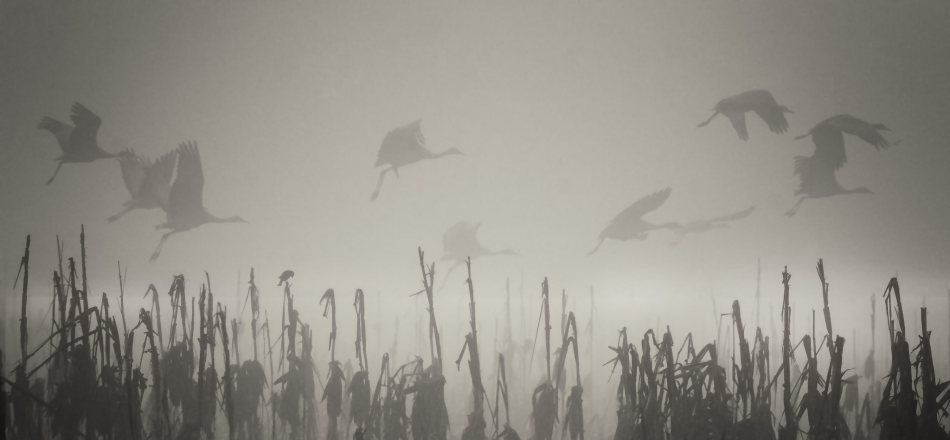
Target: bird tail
x=706 y=122
x=280 y=283
x=803 y=136
x=597 y=247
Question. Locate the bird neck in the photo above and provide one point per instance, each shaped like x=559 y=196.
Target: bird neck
x=232 y=219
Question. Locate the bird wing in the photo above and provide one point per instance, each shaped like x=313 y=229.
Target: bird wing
x=87 y=126
x=829 y=145
x=816 y=175
x=641 y=207
x=460 y=240
x=159 y=175
x=738 y=122
x=133 y=173
x=860 y=128
x=61 y=130
x=186 y=192
x=770 y=112
x=402 y=145
x=734 y=216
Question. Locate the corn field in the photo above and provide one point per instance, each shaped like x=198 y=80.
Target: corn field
x=97 y=371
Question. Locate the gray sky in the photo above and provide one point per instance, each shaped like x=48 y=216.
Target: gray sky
x=567 y=112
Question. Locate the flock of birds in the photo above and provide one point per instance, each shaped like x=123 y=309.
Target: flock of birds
x=151 y=185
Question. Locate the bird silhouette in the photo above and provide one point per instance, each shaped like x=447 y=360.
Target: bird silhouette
x=461 y=242
x=700 y=226
x=78 y=143
x=629 y=224
x=761 y=102
x=149 y=183
x=288 y=274
x=403 y=146
x=185 y=206
x=831 y=147
x=817 y=172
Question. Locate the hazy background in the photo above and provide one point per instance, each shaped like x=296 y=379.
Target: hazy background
x=567 y=112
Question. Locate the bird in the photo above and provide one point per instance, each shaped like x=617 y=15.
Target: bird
x=185 y=206
x=460 y=242
x=761 y=102
x=285 y=276
x=149 y=183
x=404 y=146
x=817 y=172
x=700 y=226
x=629 y=224
x=78 y=142
x=832 y=147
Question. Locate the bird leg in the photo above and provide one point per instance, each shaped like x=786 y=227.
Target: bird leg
x=598 y=247
x=161 y=244
x=794 y=209
x=119 y=215
x=54 y=173
x=379 y=183
x=703 y=124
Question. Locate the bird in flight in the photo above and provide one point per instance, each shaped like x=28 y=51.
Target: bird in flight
x=761 y=102
x=149 y=183
x=403 y=146
x=700 y=226
x=185 y=205
x=78 y=142
x=629 y=223
x=461 y=242
x=288 y=274
x=817 y=172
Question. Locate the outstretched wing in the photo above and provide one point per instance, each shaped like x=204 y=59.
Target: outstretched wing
x=829 y=145
x=159 y=176
x=61 y=130
x=186 y=192
x=734 y=216
x=738 y=122
x=641 y=207
x=133 y=172
x=460 y=240
x=815 y=174
x=860 y=128
x=770 y=112
x=399 y=141
x=87 y=127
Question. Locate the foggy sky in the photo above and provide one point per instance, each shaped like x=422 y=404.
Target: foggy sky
x=567 y=112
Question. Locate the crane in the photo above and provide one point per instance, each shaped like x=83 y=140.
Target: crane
x=77 y=142
x=629 y=224
x=404 y=146
x=149 y=183
x=761 y=102
x=817 y=172
x=186 y=209
x=461 y=242
x=700 y=226
x=832 y=147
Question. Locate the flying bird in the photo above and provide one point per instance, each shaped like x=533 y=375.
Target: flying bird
x=700 y=226
x=461 y=242
x=185 y=205
x=77 y=142
x=817 y=172
x=285 y=276
x=831 y=147
x=629 y=224
x=403 y=146
x=149 y=183
x=761 y=102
